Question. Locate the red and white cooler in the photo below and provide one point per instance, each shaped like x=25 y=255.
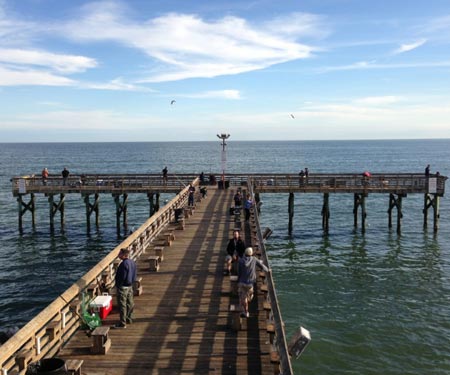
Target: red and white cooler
x=102 y=305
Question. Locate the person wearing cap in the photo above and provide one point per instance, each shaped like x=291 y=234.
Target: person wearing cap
x=235 y=250
x=247 y=279
x=125 y=277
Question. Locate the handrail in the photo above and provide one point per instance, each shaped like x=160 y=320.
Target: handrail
x=54 y=325
x=280 y=341
x=264 y=182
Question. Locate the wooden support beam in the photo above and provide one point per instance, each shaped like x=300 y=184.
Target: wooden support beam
x=326 y=212
x=152 y=203
x=121 y=210
x=23 y=207
x=54 y=208
x=291 y=212
x=431 y=200
x=90 y=208
x=395 y=202
x=359 y=201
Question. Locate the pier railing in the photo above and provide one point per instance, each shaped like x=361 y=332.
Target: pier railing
x=44 y=335
x=400 y=183
x=279 y=345
x=100 y=183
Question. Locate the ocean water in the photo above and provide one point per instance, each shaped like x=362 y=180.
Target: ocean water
x=375 y=303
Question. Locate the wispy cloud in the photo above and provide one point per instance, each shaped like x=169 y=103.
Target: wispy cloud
x=378 y=100
x=58 y=62
x=437 y=25
x=17 y=77
x=217 y=94
x=117 y=84
x=178 y=46
x=410 y=46
x=187 y=46
x=361 y=65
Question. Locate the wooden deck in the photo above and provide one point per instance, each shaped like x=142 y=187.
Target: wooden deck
x=181 y=321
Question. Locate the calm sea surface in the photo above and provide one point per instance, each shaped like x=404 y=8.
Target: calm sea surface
x=375 y=304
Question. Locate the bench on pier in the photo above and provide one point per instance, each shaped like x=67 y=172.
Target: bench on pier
x=100 y=340
x=169 y=237
x=74 y=366
x=137 y=287
x=275 y=360
x=181 y=224
x=263 y=288
x=159 y=252
x=270 y=328
x=153 y=263
x=188 y=211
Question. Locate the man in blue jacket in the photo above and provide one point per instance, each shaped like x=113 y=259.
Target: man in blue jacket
x=125 y=277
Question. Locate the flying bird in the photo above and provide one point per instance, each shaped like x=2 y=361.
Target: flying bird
x=173 y=102
x=292 y=115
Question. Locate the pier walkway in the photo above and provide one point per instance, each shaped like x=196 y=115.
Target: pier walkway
x=186 y=317
x=182 y=322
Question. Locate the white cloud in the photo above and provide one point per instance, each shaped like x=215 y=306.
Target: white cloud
x=361 y=65
x=115 y=85
x=187 y=46
x=80 y=121
x=221 y=94
x=410 y=46
x=58 y=62
x=11 y=77
x=378 y=100
x=300 y=25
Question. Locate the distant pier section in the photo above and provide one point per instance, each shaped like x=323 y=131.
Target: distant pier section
x=90 y=186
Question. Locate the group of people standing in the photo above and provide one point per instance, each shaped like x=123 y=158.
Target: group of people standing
x=303 y=176
x=45 y=174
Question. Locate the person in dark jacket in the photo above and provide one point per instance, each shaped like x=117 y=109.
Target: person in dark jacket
x=235 y=250
x=125 y=277
x=247 y=279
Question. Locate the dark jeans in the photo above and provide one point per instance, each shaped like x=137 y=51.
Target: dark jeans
x=126 y=303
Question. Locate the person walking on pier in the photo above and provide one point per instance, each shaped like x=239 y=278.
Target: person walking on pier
x=65 y=175
x=44 y=176
x=301 y=178
x=427 y=171
x=164 y=172
x=235 y=250
x=237 y=199
x=247 y=279
x=125 y=277
x=247 y=206
x=191 y=191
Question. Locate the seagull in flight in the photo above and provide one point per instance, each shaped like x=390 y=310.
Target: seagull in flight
x=292 y=115
x=173 y=102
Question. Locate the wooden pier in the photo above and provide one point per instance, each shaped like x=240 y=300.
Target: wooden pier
x=396 y=185
x=186 y=317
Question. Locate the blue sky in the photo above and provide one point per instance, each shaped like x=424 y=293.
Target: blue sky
x=259 y=70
